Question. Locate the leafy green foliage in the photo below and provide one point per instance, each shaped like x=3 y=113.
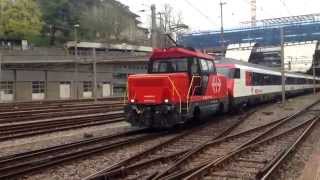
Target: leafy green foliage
x=54 y=20
x=19 y=19
x=105 y=21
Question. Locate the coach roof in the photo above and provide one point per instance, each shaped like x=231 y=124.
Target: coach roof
x=177 y=52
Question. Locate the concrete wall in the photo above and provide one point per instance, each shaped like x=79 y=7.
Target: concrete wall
x=53 y=90
x=22 y=78
x=23 y=91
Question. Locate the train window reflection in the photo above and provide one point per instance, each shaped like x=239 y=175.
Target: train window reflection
x=169 y=66
x=233 y=73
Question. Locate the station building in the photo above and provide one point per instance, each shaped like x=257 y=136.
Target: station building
x=51 y=74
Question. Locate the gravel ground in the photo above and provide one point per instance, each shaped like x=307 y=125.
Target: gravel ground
x=295 y=164
x=59 y=138
x=273 y=112
x=83 y=167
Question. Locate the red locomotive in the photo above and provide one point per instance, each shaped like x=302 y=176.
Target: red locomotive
x=181 y=85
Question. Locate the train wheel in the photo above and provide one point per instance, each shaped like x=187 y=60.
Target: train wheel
x=196 y=114
x=226 y=106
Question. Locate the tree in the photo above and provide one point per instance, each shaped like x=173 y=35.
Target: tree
x=170 y=18
x=104 y=20
x=20 y=19
x=55 y=14
x=171 y=23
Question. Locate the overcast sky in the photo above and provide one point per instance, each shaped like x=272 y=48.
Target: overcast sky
x=206 y=15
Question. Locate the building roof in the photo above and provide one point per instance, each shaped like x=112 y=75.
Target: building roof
x=43 y=59
x=178 y=53
x=121 y=47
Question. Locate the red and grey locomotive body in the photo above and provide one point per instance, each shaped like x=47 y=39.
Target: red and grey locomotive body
x=181 y=84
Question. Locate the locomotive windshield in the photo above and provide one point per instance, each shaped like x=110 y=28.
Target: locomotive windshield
x=169 y=66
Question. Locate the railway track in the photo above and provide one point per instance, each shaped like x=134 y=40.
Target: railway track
x=11 y=131
x=54 y=108
x=18 y=164
x=193 y=162
x=144 y=164
x=247 y=155
x=30 y=115
x=14 y=165
x=38 y=104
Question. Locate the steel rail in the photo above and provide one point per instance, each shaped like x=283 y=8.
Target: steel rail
x=45 y=102
x=277 y=124
x=23 y=166
x=274 y=124
x=53 y=110
x=218 y=162
x=269 y=169
x=125 y=166
x=57 y=126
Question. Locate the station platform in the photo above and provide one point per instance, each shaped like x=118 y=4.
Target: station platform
x=312 y=168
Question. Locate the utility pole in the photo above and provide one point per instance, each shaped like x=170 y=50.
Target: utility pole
x=1 y=90
x=161 y=32
x=153 y=27
x=94 y=74
x=222 y=30
x=0 y=67
x=253 y=4
x=283 y=78
x=76 y=71
x=314 y=76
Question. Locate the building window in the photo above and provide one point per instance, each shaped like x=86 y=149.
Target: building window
x=65 y=82
x=6 y=87
x=120 y=75
x=119 y=90
x=38 y=87
x=87 y=86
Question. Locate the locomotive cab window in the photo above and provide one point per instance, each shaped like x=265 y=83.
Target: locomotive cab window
x=169 y=65
x=194 y=67
x=204 y=66
x=211 y=66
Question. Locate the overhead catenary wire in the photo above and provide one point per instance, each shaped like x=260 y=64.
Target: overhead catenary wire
x=200 y=12
x=285 y=5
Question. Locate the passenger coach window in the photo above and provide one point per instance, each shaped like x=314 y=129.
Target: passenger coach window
x=236 y=73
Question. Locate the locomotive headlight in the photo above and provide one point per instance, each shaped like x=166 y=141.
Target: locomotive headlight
x=166 y=101
x=132 y=101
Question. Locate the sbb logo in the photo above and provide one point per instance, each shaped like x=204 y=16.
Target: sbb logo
x=216 y=85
